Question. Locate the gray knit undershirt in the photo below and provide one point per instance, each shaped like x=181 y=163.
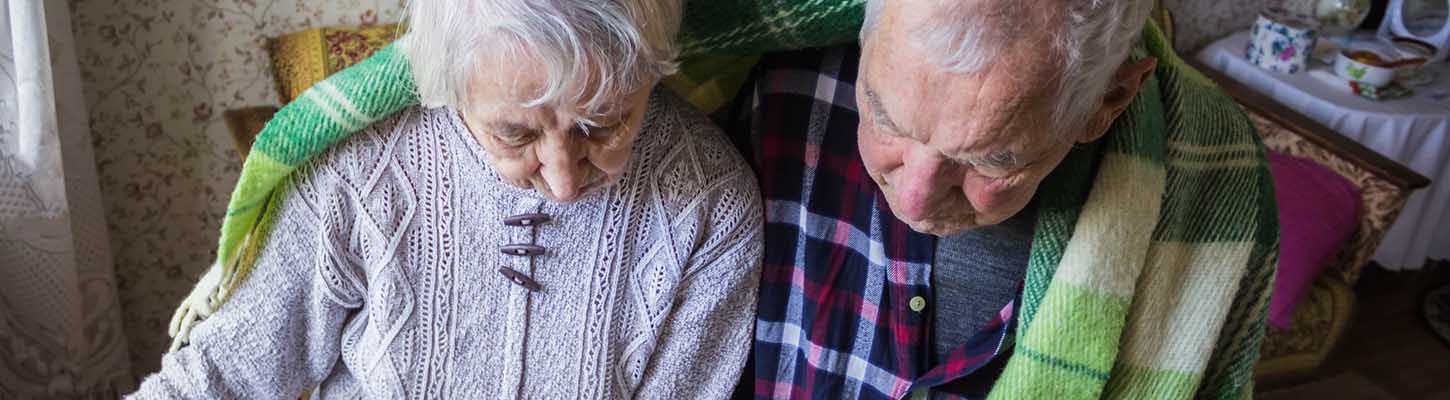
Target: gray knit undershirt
x=975 y=273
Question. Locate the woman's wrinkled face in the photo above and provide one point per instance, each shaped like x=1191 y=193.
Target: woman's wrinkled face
x=550 y=148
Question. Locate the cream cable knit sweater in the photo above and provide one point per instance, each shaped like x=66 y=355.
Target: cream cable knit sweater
x=385 y=276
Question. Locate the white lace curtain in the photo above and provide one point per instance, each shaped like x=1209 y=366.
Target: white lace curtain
x=60 y=321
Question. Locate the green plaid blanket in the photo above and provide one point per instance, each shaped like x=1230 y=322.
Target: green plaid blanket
x=1164 y=298
x=1150 y=275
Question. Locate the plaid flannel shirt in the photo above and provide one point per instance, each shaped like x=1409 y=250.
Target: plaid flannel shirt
x=842 y=310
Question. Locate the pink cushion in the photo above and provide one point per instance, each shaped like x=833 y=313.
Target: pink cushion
x=1318 y=211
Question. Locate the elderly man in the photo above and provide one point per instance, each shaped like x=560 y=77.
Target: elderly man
x=1026 y=199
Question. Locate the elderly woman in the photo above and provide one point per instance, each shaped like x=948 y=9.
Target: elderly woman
x=548 y=225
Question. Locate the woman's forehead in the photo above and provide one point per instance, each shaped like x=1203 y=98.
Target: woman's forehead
x=521 y=78
x=515 y=111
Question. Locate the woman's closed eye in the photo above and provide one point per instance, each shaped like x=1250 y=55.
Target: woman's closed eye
x=606 y=134
x=514 y=137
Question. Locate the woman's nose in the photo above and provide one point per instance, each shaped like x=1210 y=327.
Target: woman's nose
x=564 y=167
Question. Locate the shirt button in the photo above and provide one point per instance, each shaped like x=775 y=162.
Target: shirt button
x=918 y=304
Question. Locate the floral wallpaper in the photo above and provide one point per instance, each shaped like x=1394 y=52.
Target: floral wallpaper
x=158 y=75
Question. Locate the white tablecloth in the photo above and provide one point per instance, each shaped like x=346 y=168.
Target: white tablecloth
x=1414 y=131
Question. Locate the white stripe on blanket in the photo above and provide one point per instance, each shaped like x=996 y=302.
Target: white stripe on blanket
x=1120 y=210
x=1192 y=286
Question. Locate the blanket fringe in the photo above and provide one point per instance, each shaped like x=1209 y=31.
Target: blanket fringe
x=197 y=306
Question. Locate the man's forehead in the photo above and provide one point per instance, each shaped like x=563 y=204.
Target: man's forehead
x=978 y=105
x=992 y=96
x=1015 y=16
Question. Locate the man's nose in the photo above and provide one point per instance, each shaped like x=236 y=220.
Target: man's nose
x=921 y=183
x=563 y=164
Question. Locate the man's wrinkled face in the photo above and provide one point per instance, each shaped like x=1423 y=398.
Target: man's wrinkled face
x=547 y=148
x=955 y=151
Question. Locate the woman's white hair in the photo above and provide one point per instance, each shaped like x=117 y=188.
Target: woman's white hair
x=1094 y=41
x=594 y=51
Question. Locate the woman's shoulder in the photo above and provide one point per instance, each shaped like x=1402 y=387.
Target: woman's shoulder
x=392 y=137
x=380 y=154
x=691 y=161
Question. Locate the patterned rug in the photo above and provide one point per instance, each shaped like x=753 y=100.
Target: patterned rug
x=1437 y=312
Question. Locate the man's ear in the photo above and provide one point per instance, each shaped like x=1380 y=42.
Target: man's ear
x=1122 y=90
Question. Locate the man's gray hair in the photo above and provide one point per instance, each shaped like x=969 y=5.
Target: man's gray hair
x=594 y=51
x=964 y=36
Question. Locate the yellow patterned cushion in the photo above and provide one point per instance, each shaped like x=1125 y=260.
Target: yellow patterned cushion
x=301 y=59
x=246 y=123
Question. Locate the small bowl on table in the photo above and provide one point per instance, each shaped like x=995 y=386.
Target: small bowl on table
x=1364 y=66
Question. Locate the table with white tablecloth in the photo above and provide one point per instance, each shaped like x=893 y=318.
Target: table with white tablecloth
x=1414 y=131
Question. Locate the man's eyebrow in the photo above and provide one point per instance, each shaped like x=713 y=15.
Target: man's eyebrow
x=878 y=110
x=1002 y=159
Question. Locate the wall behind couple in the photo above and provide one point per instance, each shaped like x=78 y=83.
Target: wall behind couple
x=158 y=74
